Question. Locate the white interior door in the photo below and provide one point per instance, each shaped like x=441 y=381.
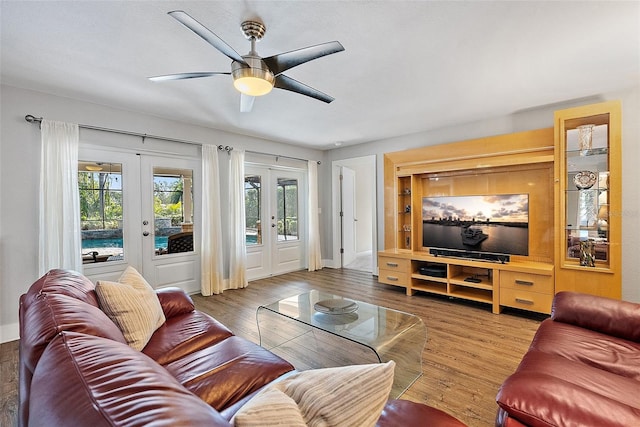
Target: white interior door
x=170 y=221
x=275 y=209
x=348 y=182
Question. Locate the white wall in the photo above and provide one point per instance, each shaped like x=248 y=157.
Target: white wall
x=534 y=118
x=19 y=173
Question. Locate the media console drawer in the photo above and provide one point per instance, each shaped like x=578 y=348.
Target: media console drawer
x=527 y=282
x=525 y=300
x=394 y=264
x=391 y=277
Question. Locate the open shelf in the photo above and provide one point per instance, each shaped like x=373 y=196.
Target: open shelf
x=406 y=266
x=472 y=294
x=429 y=286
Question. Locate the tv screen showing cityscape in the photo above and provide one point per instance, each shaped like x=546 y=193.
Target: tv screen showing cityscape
x=497 y=223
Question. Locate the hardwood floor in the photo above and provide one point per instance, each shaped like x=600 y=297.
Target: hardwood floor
x=469 y=350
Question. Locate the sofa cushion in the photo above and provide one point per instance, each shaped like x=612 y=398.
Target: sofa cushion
x=174 y=301
x=184 y=334
x=132 y=304
x=406 y=413
x=611 y=317
x=548 y=389
x=606 y=352
x=224 y=373
x=61 y=300
x=83 y=380
x=348 y=395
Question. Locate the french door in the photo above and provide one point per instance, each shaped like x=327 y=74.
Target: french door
x=275 y=220
x=140 y=210
x=169 y=230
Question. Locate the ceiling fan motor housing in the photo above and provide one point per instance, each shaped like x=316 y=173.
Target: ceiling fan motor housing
x=254 y=79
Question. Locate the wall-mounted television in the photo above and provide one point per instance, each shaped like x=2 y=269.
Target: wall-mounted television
x=470 y=226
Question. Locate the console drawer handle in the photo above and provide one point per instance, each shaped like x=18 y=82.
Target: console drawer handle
x=524 y=282
x=392 y=278
x=392 y=264
x=524 y=301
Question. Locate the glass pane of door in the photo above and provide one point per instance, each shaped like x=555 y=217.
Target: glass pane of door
x=287 y=209
x=252 y=207
x=101 y=214
x=173 y=210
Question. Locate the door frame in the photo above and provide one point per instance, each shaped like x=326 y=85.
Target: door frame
x=165 y=270
x=270 y=243
x=370 y=162
x=132 y=213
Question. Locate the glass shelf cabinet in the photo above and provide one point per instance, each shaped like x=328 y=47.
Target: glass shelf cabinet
x=588 y=197
x=404 y=221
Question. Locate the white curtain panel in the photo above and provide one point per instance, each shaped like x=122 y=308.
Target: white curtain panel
x=237 y=240
x=315 y=256
x=59 y=220
x=212 y=267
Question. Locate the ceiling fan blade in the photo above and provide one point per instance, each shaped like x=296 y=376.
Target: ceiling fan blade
x=283 y=61
x=182 y=76
x=206 y=34
x=287 y=83
x=246 y=103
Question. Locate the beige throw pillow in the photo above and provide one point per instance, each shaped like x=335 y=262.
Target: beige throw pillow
x=346 y=396
x=132 y=304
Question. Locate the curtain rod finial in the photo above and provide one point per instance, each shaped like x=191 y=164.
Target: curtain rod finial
x=30 y=118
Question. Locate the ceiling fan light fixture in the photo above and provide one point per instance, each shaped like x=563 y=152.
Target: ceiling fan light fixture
x=253 y=81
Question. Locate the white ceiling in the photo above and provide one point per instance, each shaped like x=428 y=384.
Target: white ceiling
x=408 y=66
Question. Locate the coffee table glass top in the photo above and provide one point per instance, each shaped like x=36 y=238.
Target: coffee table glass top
x=389 y=334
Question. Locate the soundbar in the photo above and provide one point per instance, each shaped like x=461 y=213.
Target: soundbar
x=479 y=256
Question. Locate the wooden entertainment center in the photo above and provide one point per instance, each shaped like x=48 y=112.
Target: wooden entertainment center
x=532 y=163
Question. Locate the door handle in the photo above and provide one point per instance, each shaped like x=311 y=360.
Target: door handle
x=145 y=233
x=273 y=225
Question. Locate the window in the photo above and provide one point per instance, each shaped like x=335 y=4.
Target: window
x=252 y=197
x=100 y=187
x=287 y=204
x=173 y=210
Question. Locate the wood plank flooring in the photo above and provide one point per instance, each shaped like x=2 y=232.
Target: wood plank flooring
x=469 y=350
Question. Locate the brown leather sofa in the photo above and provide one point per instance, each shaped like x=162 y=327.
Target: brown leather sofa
x=582 y=368
x=77 y=370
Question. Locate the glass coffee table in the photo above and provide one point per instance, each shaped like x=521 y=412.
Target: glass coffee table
x=318 y=329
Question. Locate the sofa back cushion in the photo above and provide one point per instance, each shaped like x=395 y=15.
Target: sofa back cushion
x=61 y=300
x=92 y=381
x=606 y=315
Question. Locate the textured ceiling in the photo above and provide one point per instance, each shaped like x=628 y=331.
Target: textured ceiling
x=408 y=66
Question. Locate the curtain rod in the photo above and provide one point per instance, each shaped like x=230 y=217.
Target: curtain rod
x=33 y=119
x=278 y=155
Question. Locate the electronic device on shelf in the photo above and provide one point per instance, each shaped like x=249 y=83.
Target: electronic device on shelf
x=433 y=270
x=479 y=256
x=472 y=279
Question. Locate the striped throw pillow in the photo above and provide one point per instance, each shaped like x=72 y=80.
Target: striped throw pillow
x=132 y=304
x=345 y=396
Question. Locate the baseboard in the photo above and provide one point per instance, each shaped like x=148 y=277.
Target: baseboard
x=329 y=263
x=10 y=332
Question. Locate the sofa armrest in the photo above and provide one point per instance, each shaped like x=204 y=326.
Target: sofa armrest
x=174 y=301
x=609 y=316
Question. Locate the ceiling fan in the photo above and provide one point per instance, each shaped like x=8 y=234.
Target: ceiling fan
x=253 y=75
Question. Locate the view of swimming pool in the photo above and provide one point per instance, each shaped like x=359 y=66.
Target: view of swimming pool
x=161 y=242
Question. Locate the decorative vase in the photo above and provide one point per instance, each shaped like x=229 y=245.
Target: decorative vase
x=585 y=138
x=587 y=253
